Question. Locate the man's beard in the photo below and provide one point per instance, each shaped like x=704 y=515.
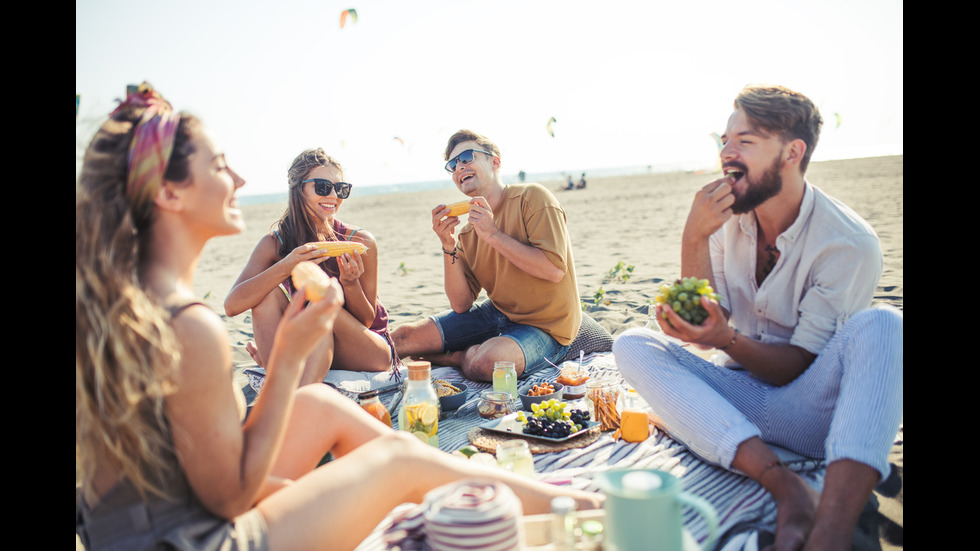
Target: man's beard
x=769 y=184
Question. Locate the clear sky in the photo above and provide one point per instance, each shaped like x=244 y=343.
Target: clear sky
x=641 y=82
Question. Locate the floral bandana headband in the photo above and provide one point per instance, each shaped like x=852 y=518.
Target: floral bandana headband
x=151 y=147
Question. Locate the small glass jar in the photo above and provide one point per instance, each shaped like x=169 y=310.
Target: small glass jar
x=495 y=404
x=505 y=377
x=574 y=379
x=372 y=404
x=563 y=523
x=603 y=400
x=515 y=456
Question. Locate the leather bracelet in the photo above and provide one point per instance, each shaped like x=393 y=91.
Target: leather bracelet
x=452 y=254
x=727 y=346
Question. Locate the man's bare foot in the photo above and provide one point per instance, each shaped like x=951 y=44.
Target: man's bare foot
x=254 y=353
x=796 y=504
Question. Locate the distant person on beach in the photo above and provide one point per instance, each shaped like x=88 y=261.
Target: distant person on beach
x=164 y=457
x=810 y=366
x=581 y=182
x=360 y=341
x=515 y=245
x=571 y=183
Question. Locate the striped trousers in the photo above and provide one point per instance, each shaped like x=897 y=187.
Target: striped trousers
x=847 y=405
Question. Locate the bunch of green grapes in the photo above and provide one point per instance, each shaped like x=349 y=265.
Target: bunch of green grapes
x=551 y=419
x=684 y=297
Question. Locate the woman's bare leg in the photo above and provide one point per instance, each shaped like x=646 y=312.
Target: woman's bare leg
x=351 y=346
x=323 y=421
x=340 y=503
x=357 y=348
x=265 y=321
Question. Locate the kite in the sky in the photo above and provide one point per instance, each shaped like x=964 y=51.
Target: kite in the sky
x=352 y=13
x=551 y=130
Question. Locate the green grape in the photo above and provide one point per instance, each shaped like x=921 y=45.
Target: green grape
x=684 y=297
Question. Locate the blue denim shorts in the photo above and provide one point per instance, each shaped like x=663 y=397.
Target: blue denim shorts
x=483 y=321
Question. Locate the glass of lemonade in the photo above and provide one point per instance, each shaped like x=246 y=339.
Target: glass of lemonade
x=505 y=378
x=515 y=456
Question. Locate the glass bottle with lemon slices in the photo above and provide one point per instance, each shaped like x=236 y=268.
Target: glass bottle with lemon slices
x=419 y=412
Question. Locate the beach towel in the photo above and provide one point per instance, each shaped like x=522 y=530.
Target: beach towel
x=746 y=512
x=349 y=383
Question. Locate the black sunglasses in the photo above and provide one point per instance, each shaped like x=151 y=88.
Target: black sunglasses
x=323 y=187
x=466 y=157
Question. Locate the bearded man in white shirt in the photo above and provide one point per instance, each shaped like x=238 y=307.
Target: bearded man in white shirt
x=807 y=365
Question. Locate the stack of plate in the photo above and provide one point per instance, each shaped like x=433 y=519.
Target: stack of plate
x=473 y=515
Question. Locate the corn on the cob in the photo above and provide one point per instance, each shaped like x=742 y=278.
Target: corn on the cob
x=457 y=209
x=337 y=248
x=308 y=276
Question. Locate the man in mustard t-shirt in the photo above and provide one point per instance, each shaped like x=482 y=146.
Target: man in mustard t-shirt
x=515 y=246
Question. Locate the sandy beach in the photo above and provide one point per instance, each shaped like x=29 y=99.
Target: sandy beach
x=635 y=220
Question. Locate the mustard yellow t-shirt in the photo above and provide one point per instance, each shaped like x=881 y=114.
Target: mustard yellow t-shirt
x=532 y=215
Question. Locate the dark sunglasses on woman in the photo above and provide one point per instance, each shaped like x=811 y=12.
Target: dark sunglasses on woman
x=323 y=187
x=466 y=157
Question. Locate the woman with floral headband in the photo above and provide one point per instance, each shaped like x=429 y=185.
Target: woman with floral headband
x=360 y=340
x=163 y=454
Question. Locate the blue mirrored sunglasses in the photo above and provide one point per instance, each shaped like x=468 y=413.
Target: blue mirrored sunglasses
x=323 y=187
x=466 y=157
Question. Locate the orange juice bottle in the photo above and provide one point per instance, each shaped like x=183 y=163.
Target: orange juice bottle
x=633 y=421
x=372 y=404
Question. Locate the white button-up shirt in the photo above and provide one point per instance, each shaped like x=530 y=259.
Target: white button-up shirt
x=829 y=266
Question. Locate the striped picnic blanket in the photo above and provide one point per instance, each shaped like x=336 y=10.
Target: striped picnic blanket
x=744 y=508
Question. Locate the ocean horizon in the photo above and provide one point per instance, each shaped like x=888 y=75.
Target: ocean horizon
x=541 y=177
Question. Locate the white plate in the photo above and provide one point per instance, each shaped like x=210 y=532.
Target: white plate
x=493 y=427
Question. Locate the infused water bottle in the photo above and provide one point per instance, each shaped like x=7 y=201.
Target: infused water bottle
x=419 y=412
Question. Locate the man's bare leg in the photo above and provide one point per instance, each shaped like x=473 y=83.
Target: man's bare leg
x=847 y=488
x=478 y=361
x=417 y=338
x=796 y=501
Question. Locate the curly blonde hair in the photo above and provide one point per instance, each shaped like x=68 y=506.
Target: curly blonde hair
x=126 y=355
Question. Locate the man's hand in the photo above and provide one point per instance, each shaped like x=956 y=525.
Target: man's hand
x=710 y=210
x=444 y=226
x=481 y=218
x=713 y=333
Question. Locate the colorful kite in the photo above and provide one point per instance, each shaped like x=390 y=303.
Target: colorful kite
x=551 y=130
x=352 y=13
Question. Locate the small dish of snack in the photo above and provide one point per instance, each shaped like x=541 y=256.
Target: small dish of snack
x=540 y=393
x=451 y=395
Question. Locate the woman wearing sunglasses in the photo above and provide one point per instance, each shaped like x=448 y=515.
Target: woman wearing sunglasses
x=163 y=456
x=360 y=340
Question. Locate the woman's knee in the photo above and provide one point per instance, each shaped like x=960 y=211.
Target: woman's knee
x=317 y=401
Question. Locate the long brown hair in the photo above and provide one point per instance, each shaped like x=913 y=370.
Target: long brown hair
x=299 y=225
x=126 y=355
